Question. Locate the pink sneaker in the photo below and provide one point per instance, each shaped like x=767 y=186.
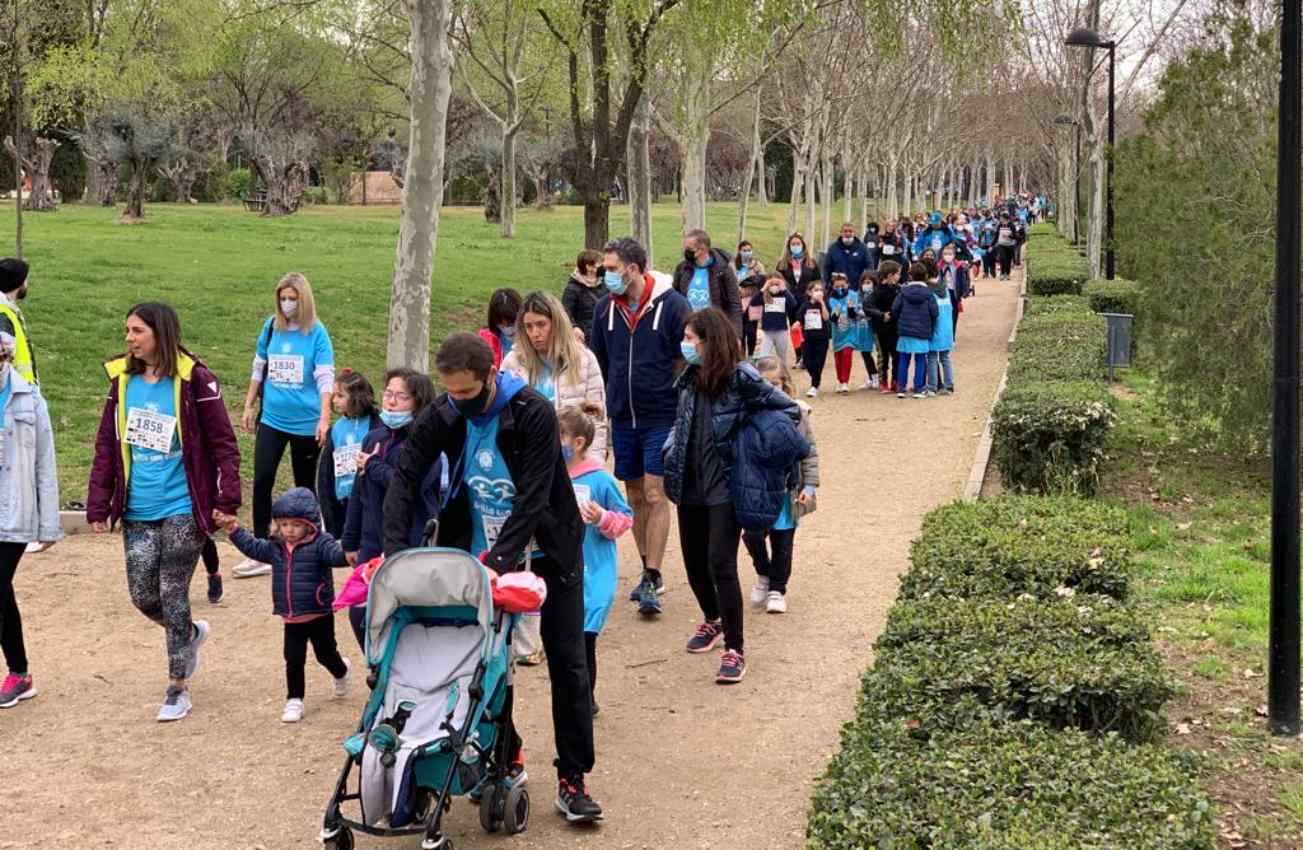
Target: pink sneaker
x=15 y=689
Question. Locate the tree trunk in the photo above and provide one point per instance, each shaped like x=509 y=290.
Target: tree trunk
x=597 y=222
x=848 y=189
x=1095 y=145
x=638 y=156
x=36 y=162
x=418 y=233
x=694 y=177
x=509 y=184
x=828 y=189
x=135 y=209
x=285 y=181
x=893 y=199
x=798 y=189
x=757 y=164
x=811 y=204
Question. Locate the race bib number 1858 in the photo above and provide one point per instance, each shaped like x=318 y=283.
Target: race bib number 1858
x=149 y=429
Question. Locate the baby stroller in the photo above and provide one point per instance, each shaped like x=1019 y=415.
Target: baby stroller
x=438 y=723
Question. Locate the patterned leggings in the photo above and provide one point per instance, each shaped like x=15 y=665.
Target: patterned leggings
x=161 y=558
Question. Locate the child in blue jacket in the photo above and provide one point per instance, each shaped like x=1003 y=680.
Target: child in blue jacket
x=302 y=588
x=606 y=516
x=916 y=314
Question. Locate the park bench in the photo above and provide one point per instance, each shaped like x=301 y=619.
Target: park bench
x=255 y=201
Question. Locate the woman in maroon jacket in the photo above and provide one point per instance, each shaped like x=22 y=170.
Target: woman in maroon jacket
x=165 y=459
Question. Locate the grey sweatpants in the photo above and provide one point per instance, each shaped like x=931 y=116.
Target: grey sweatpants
x=161 y=558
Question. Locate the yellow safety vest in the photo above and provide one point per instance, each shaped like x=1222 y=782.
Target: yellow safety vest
x=24 y=362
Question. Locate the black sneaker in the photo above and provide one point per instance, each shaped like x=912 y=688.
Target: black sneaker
x=649 y=600
x=657 y=582
x=215 y=588
x=573 y=802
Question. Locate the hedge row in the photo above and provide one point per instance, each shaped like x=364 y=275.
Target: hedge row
x=1113 y=296
x=1014 y=698
x=1054 y=267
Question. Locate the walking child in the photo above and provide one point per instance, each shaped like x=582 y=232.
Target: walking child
x=606 y=516
x=774 y=564
x=781 y=308
x=354 y=401
x=940 y=374
x=884 y=322
x=866 y=344
x=816 y=325
x=916 y=314
x=851 y=330
x=302 y=588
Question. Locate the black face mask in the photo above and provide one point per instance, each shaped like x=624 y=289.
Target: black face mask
x=472 y=407
x=690 y=255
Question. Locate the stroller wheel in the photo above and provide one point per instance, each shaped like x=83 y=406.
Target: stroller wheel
x=342 y=840
x=515 y=812
x=491 y=807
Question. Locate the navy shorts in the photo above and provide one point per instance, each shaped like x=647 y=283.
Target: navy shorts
x=638 y=450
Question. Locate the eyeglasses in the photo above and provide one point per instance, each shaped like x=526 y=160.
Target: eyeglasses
x=391 y=395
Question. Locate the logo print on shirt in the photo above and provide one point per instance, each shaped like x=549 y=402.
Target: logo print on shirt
x=485 y=459
x=492 y=489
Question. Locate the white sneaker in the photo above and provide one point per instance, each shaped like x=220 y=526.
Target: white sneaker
x=34 y=547
x=776 y=603
x=871 y=383
x=293 y=712
x=343 y=683
x=760 y=592
x=201 y=635
x=843 y=388
x=248 y=568
x=813 y=392
x=176 y=704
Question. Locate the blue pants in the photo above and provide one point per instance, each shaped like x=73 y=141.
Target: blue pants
x=920 y=371
x=939 y=362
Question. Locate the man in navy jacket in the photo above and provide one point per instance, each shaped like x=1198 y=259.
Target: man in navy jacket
x=847 y=255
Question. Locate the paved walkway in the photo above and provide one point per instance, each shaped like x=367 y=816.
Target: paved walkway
x=682 y=763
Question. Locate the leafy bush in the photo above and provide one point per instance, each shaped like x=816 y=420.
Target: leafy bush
x=315 y=195
x=1049 y=435
x=1057 y=304
x=1083 y=662
x=1004 y=786
x=1059 y=345
x=1016 y=545
x=1113 y=296
x=240 y=181
x=1055 y=272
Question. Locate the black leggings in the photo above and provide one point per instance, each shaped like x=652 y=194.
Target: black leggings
x=868 y=362
x=321 y=634
x=814 y=356
x=590 y=641
x=887 y=353
x=210 y=557
x=11 y=622
x=1004 y=256
x=268 y=449
x=775 y=566
x=708 y=537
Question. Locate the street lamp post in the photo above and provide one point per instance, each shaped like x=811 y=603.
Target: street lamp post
x=1082 y=37
x=1068 y=120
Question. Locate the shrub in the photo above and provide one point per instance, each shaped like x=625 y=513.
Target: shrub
x=1016 y=545
x=1049 y=435
x=1056 y=272
x=1113 y=296
x=315 y=195
x=1057 y=304
x=1059 y=345
x=1083 y=662
x=1005 y=786
x=240 y=181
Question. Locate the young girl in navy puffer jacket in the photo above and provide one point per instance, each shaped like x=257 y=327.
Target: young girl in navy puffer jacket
x=302 y=588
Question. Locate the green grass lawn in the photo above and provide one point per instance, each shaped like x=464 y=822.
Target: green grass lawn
x=218 y=266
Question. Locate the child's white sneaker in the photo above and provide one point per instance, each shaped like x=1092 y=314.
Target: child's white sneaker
x=760 y=592
x=813 y=392
x=843 y=388
x=293 y=712
x=776 y=603
x=343 y=682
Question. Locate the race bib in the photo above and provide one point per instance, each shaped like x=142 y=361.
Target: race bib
x=148 y=429
x=755 y=313
x=285 y=368
x=492 y=528
x=776 y=307
x=583 y=494
x=346 y=461
x=813 y=320
x=888 y=249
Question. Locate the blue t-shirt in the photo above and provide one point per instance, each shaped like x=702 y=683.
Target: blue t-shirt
x=699 y=289
x=290 y=399
x=849 y=332
x=157 y=488
x=6 y=391
x=346 y=436
x=785 y=519
x=488 y=483
x=546 y=384
x=943 y=332
x=507 y=344
x=600 y=558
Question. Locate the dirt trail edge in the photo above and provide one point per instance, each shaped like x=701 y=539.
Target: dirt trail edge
x=681 y=762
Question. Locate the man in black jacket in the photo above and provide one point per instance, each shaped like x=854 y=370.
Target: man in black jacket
x=511 y=500
x=706 y=278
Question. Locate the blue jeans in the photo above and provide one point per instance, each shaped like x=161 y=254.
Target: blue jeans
x=940 y=359
x=920 y=371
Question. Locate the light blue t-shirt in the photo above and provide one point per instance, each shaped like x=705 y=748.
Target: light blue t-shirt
x=943 y=332
x=699 y=289
x=507 y=344
x=785 y=520
x=6 y=391
x=488 y=483
x=546 y=384
x=346 y=436
x=600 y=556
x=290 y=399
x=157 y=488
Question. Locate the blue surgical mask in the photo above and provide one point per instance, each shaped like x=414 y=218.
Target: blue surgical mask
x=509 y=331
x=690 y=353
x=615 y=283
x=798 y=251
x=396 y=419
x=567 y=453
x=746 y=256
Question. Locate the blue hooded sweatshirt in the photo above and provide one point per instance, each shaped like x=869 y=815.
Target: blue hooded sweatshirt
x=484 y=471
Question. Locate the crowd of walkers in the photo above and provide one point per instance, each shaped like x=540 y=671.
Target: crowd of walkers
x=678 y=386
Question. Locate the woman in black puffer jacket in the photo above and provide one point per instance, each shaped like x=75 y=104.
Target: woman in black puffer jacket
x=716 y=392
x=583 y=290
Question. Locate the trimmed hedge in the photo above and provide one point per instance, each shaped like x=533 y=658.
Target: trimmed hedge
x=1056 y=272
x=1049 y=435
x=1113 y=296
x=1059 y=345
x=1057 y=304
x=1001 y=787
x=1016 y=545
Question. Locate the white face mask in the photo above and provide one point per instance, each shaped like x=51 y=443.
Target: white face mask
x=289 y=307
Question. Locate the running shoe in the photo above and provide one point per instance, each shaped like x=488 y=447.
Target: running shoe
x=572 y=800
x=344 y=682
x=16 y=689
x=884 y=389
x=649 y=600
x=248 y=568
x=813 y=392
x=776 y=603
x=760 y=592
x=919 y=394
x=534 y=659
x=655 y=577
x=843 y=388
x=900 y=393
x=293 y=712
x=707 y=635
x=732 y=667
x=215 y=591
x=196 y=642
x=176 y=704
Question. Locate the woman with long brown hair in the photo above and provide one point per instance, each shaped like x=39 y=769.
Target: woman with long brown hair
x=717 y=392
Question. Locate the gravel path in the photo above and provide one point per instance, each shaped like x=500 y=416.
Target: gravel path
x=682 y=763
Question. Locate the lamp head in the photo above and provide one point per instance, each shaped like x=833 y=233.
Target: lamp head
x=1082 y=37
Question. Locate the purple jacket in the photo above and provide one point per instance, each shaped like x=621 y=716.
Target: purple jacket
x=209 y=452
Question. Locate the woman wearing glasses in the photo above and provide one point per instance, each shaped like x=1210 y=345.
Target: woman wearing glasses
x=406 y=394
